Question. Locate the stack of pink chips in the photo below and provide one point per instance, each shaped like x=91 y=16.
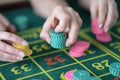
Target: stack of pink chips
x=78 y=49
x=99 y=32
x=69 y=75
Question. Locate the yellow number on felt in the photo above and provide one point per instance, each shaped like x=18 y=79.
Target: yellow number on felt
x=106 y=63
x=89 y=51
x=41 y=48
x=15 y=70
x=25 y=68
x=100 y=66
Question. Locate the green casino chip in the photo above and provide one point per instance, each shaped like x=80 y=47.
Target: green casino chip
x=92 y=78
x=21 y=22
x=115 y=69
x=58 y=39
x=81 y=75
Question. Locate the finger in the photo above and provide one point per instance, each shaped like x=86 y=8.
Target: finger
x=55 y=22
x=94 y=9
x=74 y=30
x=64 y=19
x=103 y=6
x=11 y=50
x=12 y=37
x=111 y=16
x=67 y=30
x=46 y=29
x=4 y=20
x=9 y=58
x=12 y=28
x=2 y=27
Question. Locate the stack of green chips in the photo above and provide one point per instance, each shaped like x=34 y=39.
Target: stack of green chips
x=58 y=39
x=115 y=69
x=81 y=75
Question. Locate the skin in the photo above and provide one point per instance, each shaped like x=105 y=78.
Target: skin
x=105 y=10
x=64 y=19
x=59 y=16
x=7 y=52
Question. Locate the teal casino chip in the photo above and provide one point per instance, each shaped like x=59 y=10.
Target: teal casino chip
x=81 y=75
x=115 y=69
x=58 y=39
x=21 y=22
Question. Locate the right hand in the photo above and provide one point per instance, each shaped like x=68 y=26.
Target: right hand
x=63 y=19
x=7 y=52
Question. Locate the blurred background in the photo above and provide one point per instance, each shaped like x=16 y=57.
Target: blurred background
x=4 y=2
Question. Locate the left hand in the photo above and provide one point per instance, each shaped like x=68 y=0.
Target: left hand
x=106 y=11
x=5 y=24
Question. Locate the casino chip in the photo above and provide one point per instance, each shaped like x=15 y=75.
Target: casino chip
x=104 y=37
x=69 y=75
x=78 y=49
x=95 y=29
x=115 y=69
x=58 y=39
x=81 y=75
x=25 y=49
x=21 y=21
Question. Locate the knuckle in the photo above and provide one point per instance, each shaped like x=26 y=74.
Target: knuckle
x=59 y=7
x=77 y=14
x=81 y=21
x=9 y=35
x=15 y=51
x=69 y=8
x=61 y=29
x=66 y=17
x=1 y=54
x=12 y=58
x=4 y=47
x=71 y=41
x=77 y=26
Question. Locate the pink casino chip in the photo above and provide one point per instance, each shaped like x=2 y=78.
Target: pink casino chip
x=69 y=75
x=78 y=49
x=95 y=29
x=105 y=37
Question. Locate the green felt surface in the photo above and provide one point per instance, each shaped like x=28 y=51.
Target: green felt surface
x=47 y=63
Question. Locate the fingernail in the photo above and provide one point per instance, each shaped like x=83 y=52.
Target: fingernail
x=25 y=43
x=21 y=54
x=106 y=29
x=56 y=30
x=100 y=25
x=19 y=58
x=48 y=41
x=67 y=44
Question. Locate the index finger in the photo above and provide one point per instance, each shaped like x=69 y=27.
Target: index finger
x=12 y=37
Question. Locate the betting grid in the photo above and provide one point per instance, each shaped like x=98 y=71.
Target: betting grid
x=80 y=64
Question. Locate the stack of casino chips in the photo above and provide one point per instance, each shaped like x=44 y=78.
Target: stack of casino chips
x=58 y=39
x=81 y=75
x=115 y=69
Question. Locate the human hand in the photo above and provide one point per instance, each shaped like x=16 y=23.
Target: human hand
x=7 y=52
x=63 y=19
x=106 y=11
x=5 y=24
